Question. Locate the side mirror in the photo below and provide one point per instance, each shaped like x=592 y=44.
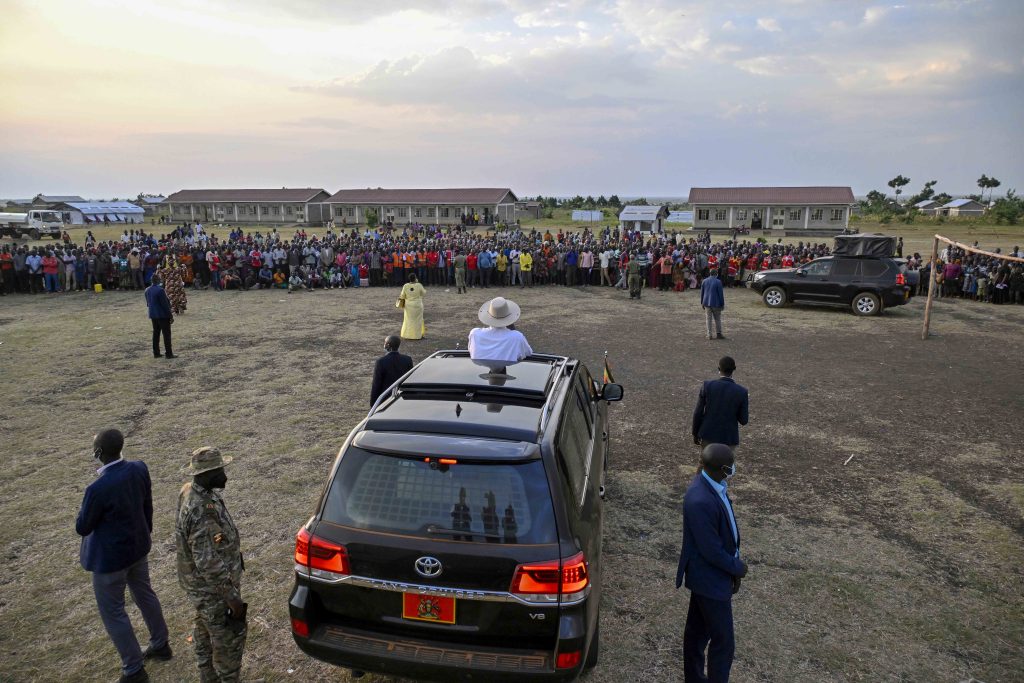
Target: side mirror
x=611 y=392
x=801 y=273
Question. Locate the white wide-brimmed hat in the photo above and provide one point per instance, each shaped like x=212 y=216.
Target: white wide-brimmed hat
x=499 y=312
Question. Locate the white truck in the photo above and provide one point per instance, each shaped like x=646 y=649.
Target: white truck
x=35 y=223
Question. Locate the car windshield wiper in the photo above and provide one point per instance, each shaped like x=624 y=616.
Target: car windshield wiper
x=434 y=529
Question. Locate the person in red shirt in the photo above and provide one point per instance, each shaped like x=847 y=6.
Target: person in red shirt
x=433 y=275
x=787 y=261
x=50 y=267
x=7 y=273
x=766 y=262
x=471 y=269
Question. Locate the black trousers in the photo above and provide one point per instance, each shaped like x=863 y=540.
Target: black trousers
x=708 y=625
x=161 y=326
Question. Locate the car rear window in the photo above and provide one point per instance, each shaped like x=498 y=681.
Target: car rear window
x=483 y=502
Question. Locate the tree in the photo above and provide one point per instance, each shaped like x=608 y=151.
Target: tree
x=614 y=201
x=876 y=199
x=601 y=201
x=898 y=183
x=371 y=218
x=1008 y=209
x=983 y=182
x=943 y=198
x=927 y=193
x=589 y=202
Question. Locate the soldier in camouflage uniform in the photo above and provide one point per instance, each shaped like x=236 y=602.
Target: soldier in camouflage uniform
x=633 y=276
x=210 y=568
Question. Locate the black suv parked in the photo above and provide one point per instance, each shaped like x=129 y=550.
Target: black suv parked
x=866 y=284
x=459 y=534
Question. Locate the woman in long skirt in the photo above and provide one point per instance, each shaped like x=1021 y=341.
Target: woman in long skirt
x=173 y=285
x=411 y=301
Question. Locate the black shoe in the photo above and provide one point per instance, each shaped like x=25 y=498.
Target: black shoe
x=720 y=336
x=158 y=355
x=169 y=355
x=139 y=676
x=163 y=654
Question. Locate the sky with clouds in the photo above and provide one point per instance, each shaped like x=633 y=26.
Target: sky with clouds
x=635 y=97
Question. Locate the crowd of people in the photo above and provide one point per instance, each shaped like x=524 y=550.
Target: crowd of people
x=455 y=256
x=965 y=275
x=387 y=257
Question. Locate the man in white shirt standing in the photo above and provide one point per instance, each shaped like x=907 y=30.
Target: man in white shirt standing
x=498 y=344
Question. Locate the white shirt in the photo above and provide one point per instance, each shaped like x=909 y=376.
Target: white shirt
x=109 y=464
x=498 y=343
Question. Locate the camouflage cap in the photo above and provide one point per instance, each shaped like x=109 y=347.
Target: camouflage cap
x=205 y=459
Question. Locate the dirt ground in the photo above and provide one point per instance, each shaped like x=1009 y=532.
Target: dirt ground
x=878 y=492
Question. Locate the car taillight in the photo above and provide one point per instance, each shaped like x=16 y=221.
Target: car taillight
x=300 y=628
x=567 y=660
x=547 y=582
x=319 y=558
x=901 y=279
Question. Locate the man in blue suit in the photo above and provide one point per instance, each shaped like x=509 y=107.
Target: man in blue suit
x=712 y=300
x=389 y=367
x=115 y=521
x=712 y=569
x=160 y=315
x=723 y=405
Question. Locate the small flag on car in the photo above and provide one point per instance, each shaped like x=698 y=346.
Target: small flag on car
x=608 y=379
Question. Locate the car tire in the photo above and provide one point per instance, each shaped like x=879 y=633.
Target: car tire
x=774 y=297
x=866 y=303
x=594 y=653
x=34 y=234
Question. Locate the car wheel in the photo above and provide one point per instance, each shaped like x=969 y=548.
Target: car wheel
x=866 y=303
x=34 y=234
x=774 y=297
x=594 y=653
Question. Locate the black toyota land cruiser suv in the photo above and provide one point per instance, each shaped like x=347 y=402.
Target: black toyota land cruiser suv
x=861 y=274
x=459 y=534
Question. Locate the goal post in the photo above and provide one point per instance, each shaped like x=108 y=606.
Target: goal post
x=931 y=273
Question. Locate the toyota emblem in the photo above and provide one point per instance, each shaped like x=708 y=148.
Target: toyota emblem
x=429 y=567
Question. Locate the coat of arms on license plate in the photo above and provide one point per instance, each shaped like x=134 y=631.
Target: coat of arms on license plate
x=440 y=610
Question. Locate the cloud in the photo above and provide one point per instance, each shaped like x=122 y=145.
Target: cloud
x=873 y=14
x=768 y=24
x=459 y=79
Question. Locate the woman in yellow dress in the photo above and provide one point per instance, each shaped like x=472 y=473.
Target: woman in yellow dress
x=411 y=301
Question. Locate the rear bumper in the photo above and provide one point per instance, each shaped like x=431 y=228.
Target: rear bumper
x=427 y=659
x=896 y=297
x=366 y=651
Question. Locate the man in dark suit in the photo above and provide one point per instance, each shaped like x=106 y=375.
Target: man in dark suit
x=160 y=315
x=389 y=367
x=721 y=408
x=115 y=521
x=711 y=566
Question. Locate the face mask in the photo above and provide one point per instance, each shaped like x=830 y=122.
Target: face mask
x=96 y=454
x=729 y=471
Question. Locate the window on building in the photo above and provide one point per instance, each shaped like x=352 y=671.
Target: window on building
x=263 y=210
x=446 y=212
x=252 y=209
x=703 y=214
x=756 y=213
x=350 y=212
x=403 y=213
x=288 y=210
x=795 y=214
x=835 y=214
x=419 y=212
x=719 y=214
x=817 y=214
x=275 y=210
x=430 y=213
x=741 y=214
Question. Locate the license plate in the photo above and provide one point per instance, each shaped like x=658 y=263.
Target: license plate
x=428 y=608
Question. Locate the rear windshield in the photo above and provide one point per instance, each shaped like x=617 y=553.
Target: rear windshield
x=478 y=502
